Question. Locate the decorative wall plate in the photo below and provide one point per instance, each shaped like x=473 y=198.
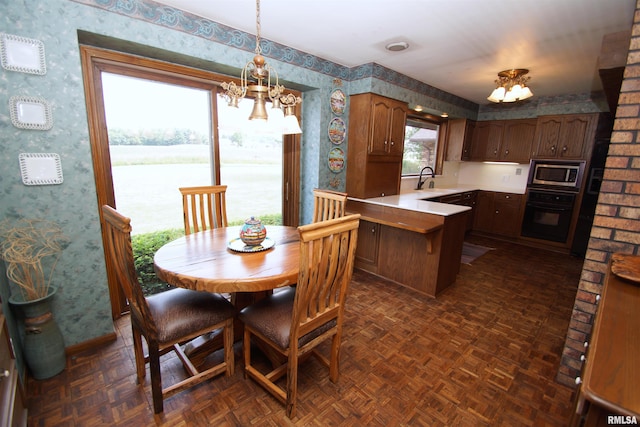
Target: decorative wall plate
x=337 y=130
x=22 y=54
x=338 y=101
x=40 y=168
x=30 y=113
x=336 y=160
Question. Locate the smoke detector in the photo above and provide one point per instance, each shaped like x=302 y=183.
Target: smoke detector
x=397 y=46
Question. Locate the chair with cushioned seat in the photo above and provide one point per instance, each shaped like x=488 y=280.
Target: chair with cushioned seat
x=328 y=204
x=295 y=321
x=168 y=319
x=204 y=207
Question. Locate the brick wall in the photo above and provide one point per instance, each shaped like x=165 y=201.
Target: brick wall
x=616 y=226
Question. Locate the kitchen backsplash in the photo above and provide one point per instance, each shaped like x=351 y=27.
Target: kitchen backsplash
x=484 y=176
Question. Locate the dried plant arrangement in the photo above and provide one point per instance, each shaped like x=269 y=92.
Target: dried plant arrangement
x=25 y=246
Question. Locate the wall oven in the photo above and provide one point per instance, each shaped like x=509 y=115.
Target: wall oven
x=552 y=189
x=548 y=214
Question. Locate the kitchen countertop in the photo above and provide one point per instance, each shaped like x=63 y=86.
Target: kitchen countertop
x=413 y=200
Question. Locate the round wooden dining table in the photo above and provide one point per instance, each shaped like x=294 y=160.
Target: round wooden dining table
x=203 y=261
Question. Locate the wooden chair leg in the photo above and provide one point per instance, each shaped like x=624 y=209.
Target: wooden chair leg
x=246 y=348
x=156 y=379
x=292 y=382
x=228 y=346
x=334 y=367
x=139 y=356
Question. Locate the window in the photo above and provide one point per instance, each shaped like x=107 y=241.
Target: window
x=420 y=146
x=245 y=169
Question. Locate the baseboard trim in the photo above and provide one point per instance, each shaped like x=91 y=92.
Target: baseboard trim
x=91 y=344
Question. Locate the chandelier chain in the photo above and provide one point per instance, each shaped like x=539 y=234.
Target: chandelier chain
x=258 y=47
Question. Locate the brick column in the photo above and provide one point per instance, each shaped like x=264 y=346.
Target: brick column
x=616 y=226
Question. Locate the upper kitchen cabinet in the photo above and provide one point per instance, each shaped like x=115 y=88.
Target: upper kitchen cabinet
x=459 y=136
x=487 y=137
x=376 y=142
x=517 y=140
x=504 y=140
x=564 y=136
x=378 y=121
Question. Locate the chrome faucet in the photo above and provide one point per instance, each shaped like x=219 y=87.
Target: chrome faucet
x=420 y=181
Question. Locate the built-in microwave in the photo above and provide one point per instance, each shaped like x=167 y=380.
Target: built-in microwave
x=556 y=173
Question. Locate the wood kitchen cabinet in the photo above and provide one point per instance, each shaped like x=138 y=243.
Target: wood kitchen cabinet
x=498 y=213
x=564 y=136
x=415 y=249
x=505 y=140
x=376 y=143
x=487 y=137
x=468 y=198
x=368 y=241
x=517 y=140
x=459 y=137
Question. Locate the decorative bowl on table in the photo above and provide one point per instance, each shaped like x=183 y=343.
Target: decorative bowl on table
x=253 y=232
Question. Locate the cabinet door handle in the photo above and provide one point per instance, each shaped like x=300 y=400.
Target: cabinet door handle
x=564 y=148
x=4 y=374
x=497 y=211
x=506 y=152
x=392 y=144
x=553 y=148
x=373 y=230
x=385 y=142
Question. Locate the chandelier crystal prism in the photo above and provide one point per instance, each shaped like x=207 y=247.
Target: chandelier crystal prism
x=511 y=86
x=253 y=77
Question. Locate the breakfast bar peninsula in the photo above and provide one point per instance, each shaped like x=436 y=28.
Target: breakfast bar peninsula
x=412 y=241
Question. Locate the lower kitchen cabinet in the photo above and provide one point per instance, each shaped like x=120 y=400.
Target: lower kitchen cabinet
x=468 y=198
x=415 y=249
x=12 y=409
x=368 y=240
x=498 y=213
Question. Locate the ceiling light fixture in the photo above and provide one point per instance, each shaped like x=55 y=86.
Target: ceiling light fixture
x=252 y=84
x=511 y=86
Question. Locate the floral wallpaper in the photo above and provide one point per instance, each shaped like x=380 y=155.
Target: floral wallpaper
x=82 y=305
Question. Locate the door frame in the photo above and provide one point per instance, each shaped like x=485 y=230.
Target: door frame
x=94 y=61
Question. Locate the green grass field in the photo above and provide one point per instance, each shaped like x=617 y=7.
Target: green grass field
x=146 y=181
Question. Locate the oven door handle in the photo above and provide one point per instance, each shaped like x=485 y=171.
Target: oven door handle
x=550 y=208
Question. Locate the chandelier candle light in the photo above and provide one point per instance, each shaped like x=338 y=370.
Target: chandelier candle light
x=252 y=84
x=512 y=86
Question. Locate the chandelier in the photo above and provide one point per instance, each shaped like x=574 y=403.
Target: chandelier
x=253 y=77
x=511 y=86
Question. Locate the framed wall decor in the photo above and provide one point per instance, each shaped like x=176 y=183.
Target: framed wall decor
x=22 y=54
x=28 y=112
x=40 y=168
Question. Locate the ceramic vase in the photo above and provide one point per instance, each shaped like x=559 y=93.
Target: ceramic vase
x=42 y=344
x=253 y=232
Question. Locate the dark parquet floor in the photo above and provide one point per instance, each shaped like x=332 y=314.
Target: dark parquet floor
x=484 y=353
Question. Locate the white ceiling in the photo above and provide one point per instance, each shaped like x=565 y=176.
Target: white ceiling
x=458 y=46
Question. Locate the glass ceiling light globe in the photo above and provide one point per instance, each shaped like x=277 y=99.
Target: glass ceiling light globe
x=497 y=95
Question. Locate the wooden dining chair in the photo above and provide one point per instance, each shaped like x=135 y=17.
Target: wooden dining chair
x=328 y=204
x=293 y=322
x=168 y=319
x=204 y=207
